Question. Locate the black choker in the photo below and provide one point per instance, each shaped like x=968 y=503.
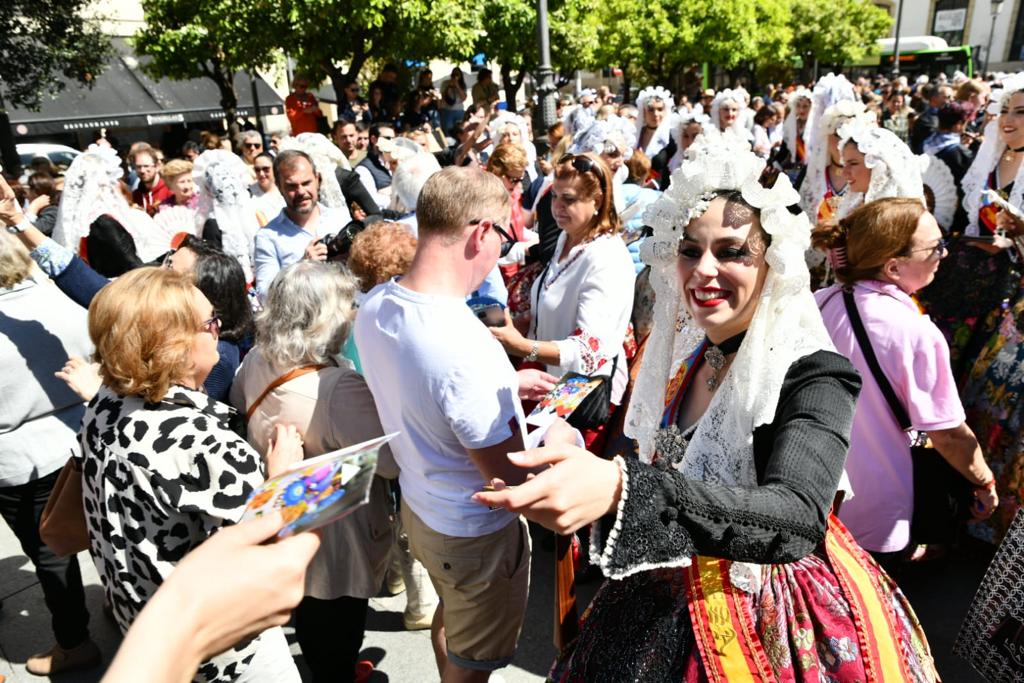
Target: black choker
x=715 y=355
x=1017 y=150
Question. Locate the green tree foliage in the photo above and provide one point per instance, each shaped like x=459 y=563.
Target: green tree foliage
x=338 y=37
x=44 y=44
x=838 y=31
x=657 y=40
x=510 y=37
x=208 y=39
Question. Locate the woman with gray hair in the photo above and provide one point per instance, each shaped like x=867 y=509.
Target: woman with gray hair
x=294 y=376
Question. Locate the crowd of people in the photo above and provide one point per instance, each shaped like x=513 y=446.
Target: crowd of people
x=775 y=297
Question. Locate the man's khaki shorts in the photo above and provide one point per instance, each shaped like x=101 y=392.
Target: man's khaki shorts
x=483 y=583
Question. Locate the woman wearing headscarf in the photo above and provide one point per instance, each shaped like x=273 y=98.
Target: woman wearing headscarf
x=654 y=130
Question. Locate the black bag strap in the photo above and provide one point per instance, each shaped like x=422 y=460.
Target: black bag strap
x=869 y=355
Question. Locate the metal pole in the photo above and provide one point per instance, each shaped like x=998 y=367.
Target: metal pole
x=545 y=112
x=255 y=101
x=996 y=7
x=896 y=43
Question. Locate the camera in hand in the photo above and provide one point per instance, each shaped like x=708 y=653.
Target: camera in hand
x=340 y=243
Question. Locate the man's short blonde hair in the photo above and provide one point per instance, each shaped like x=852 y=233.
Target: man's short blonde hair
x=174 y=168
x=15 y=263
x=457 y=195
x=143 y=325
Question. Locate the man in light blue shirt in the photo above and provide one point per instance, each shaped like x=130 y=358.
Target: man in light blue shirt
x=302 y=221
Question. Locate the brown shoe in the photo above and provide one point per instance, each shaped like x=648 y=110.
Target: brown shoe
x=84 y=656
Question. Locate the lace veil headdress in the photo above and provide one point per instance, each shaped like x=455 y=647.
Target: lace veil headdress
x=789 y=125
x=895 y=171
x=222 y=180
x=834 y=103
x=507 y=118
x=737 y=97
x=684 y=119
x=786 y=325
x=988 y=156
x=326 y=158
x=91 y=189
x=663 y=135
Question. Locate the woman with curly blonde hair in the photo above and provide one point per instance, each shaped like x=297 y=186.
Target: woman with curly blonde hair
x=163 y=465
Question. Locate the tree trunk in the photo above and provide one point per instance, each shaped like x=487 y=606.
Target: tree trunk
x=8 y=150
x=337 y=77
x=229 y=103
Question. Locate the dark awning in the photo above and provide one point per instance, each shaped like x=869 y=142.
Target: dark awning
x=123 y=96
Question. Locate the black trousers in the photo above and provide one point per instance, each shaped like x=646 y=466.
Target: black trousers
x=330 y=634
x=59 y=577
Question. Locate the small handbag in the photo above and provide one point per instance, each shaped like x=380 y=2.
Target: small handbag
x=62 y=525
x=596 y=409
x=942 y=496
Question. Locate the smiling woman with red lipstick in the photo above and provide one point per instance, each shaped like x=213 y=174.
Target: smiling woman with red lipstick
x=719 y=532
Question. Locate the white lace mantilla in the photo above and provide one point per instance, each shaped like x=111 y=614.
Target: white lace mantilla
x=895 y=171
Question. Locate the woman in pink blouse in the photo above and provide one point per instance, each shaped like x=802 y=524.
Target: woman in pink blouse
x=885 y=251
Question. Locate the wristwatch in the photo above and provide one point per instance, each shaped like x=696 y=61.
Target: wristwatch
x=20 y=227
x=534 y=350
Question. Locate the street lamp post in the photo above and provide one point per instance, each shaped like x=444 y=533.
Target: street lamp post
x=545 y=112
x=896 y=42
x=996 y=6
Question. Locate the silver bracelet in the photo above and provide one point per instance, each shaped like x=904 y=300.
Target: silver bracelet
x=534 y=350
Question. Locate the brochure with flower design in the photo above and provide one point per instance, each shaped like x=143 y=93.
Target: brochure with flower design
x=563 y=399
x=320 y=490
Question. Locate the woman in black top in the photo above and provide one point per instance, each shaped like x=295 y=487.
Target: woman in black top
x=728 y=563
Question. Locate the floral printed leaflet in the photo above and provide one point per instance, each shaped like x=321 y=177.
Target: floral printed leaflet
x=563 y=399
x=320 y=490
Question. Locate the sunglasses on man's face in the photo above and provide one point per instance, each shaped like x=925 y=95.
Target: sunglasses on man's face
x=507 y=240
x=254 y=145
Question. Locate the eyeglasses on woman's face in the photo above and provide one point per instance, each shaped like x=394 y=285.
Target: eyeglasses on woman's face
x=937 y=251
x=212 y=326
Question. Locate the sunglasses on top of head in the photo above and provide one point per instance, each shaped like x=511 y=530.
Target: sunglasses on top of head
x=584 y=164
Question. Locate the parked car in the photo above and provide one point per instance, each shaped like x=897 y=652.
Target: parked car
x=60 y=155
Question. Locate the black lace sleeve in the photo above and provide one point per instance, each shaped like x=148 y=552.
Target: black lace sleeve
x=665 y=518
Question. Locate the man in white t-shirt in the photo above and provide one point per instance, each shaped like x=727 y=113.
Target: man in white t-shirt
x=441 y=380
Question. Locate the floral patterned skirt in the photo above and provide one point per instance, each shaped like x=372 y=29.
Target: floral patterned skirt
x=993 y=397
x=640 y=629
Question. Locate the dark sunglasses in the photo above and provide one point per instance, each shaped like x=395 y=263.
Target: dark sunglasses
x=254 y=145
x=507 y=240
x=584 y=165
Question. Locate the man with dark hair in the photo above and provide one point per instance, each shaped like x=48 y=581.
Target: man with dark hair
x=388 y=84
x=372 y=170
x=485 y=91
x=928 y=122
x=302 y=223
x=947 y=143
x=344 y=136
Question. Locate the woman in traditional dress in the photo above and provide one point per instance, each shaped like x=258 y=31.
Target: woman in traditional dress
x=727 y=562
x=654 y=130
x=727 y=114
x=993 y=388
x=980 y=280
x=823 y=185
x=796 y=132
x=876 y=165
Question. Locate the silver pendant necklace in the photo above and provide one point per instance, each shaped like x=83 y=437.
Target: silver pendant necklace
x=715 y=356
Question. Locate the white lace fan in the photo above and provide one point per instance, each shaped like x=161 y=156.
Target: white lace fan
x=939 y=188
x=152 y=239
x=177 y=219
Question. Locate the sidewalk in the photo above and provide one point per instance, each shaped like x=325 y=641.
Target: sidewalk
x=400 y=655
x=940 y=594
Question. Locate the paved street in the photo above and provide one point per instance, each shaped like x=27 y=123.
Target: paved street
x=940 y=595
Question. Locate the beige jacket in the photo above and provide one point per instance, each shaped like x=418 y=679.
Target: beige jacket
x=332 y=408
